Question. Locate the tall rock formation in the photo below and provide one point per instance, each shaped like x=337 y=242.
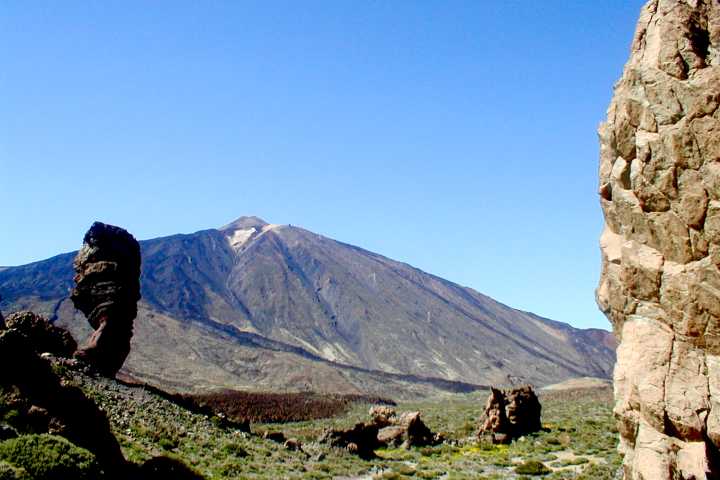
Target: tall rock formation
x=660 y=284
x=510 y=414
x=107 y=289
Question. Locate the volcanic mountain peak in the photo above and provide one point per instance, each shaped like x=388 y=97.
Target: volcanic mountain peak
x=240 y=232
x=257 y=305
x=244 y=223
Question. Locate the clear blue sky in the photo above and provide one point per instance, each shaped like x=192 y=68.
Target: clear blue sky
x=457 y=136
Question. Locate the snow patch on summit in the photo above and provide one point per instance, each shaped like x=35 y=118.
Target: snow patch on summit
x=238 y=238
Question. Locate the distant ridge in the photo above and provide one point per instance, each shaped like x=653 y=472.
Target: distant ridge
x=255 y=305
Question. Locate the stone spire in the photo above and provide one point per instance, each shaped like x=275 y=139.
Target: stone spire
x=660 y=283
x=107 y=289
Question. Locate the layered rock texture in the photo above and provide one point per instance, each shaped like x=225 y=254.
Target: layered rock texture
x=107 y=289
x=660 y=284
x=510 y=414
x=258 y=306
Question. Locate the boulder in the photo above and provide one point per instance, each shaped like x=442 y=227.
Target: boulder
x=107 y=289
x=417 y=434
x=293 y=444
x=43 y=336
x=406 y=429
x=660 y=283
x=362 y=439
x=382 y=415
x=510 y=414
x=392 y=435
x=277 y=437
x=523 y=411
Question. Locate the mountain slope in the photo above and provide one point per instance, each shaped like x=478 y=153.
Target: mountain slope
x=254 y=304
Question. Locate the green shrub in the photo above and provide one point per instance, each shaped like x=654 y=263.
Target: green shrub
x=598 y=472
x=8 y=472
x=532 y=467
x=235 y=449
x=167 y=443
x=552 y=440
x=48 y=457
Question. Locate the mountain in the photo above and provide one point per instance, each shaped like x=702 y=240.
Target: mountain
x=262 y=306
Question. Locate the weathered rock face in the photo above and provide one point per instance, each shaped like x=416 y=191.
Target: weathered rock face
x=511 y=414
x=660 y=283
x=107 y=288
x=362 y=439
x=386 y=428
x=44 y=337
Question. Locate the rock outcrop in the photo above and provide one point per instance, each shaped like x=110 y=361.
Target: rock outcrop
x=510 y=414
x=660 y=283
x=386 y=428
x=45 y=405
x=107 y=289
x=361 y=439
x=44 y=337
x=406 y=429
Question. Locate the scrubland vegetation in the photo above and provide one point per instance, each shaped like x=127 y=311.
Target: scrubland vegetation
x=577 y=442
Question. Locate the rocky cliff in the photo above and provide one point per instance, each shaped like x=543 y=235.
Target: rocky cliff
x=660 y=284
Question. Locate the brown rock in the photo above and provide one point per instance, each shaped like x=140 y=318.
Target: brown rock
x=406 y=428
x=417 y=433
x=360 y=439
x=107 y=288
x=382 y=416
x=44 y=337
x=278 y=437
x=293 y=444
x=510 y=414
x=394 y=435
x=660 y=283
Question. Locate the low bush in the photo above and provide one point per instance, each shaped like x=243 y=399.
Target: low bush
x=49 y=457
x=9 y=472
x=598 y=472
x=235 y=449
x=532 y=467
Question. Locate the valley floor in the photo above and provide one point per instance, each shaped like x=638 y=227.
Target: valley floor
x=578 y=440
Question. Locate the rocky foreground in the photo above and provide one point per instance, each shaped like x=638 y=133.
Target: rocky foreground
x=156 y=434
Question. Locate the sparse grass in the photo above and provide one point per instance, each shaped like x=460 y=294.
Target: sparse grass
x=145 y=424
x=532 y=467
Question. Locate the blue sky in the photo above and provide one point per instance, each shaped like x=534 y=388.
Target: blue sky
x=457 y=136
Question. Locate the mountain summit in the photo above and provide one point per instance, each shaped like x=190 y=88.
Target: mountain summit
x=244 y=223
x=263 y=306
